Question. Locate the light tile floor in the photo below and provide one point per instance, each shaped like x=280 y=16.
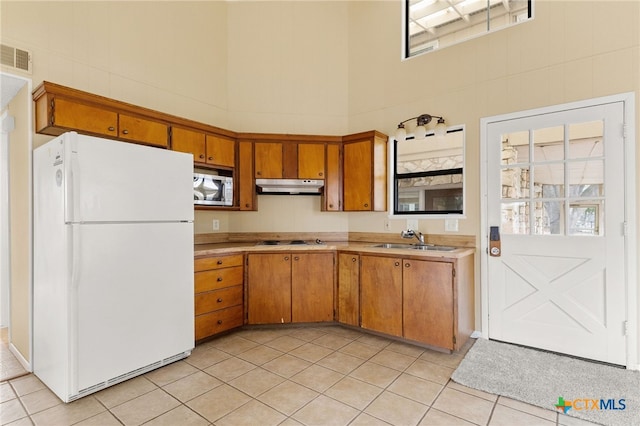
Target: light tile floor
x=10 y=367
x=327 y=375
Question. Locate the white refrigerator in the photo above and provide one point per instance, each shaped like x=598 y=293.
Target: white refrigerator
x=113 y=262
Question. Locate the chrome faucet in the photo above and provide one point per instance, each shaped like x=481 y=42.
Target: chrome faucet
x=410 y=233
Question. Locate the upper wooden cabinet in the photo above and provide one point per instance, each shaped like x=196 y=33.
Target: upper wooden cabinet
x=332 y=195
x=365 y=172
x=311 y=161
x=246 y=185
x=268 y=160
x=290 y=158
x=207 y=149
x=189 y=141
x=221 y=151
x=60 y=109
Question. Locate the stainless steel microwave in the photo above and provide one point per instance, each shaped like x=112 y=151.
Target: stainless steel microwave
x=212 y=190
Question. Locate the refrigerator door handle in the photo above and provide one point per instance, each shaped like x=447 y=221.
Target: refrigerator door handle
x=72 y=179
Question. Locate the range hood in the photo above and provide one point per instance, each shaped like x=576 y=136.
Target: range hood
x=289 y=186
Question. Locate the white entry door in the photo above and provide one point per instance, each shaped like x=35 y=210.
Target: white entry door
x=555 y=190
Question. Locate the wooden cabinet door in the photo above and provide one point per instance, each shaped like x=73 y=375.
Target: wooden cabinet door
x=245 y=184
x=188 y=141
x=428 y=305
x=221 y=151
x=312 y=287
x=357 y=174
x=268 y=160
x=311 y=161
x=77 y=116
x=381 y=294
x=332 y=180
x=138 y=129
x=269 y=288
x=349 y=289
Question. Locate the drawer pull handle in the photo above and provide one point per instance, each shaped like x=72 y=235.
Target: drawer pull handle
x=219 y=279
x=219 y=322
x=219 y=300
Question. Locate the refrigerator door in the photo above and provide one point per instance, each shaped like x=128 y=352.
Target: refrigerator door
x=131 y=298
x=111 y=181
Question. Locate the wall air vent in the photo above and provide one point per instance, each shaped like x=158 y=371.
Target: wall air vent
x=15 y=58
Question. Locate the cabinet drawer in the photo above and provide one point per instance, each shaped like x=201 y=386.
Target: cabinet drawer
x=218 y=321
x=217 y=262
x=215 y=279
x=218 y=299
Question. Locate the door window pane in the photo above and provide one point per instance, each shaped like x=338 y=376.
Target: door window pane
x=515 y=148
x=548 y=217
x=548 y=180
x=548 y=144
x=586 y=140
x=586 y=218
x=515 y=218
x=586 y=178
x=515 y=182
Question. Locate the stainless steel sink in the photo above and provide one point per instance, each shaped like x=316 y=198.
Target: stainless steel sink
x=392 y=245
x=416 y=247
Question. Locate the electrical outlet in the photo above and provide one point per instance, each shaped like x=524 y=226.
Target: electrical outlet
x=216 y=225
x=451 y=225
x=412 y=224
x=387 y=225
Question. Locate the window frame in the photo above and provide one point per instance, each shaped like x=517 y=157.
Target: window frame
x=406 y=49
x=393 y=182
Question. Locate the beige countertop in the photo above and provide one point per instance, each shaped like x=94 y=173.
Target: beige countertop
x=201 y=250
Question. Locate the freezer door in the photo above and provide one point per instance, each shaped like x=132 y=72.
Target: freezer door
x=131 y=296
x=111 y=181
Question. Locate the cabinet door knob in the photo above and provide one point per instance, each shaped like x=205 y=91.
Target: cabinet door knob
x=219 y=300
x=353 y=259
x=296 y=258
x=125 y=132
x=330 y=206
x=286 y=258
x=259 y=173
x=219 y=322
x=247 y=205
x=219 y=279
x=407 y=265
x=320 y=174
x=111 y=128
x=366 y=204
x=201 y=155
x=397 y=263
x=219 y=262
x=210 y=158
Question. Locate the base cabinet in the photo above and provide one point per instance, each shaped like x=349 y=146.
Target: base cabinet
x=349 y=288
x=426 y=301
x=381 y=294
x=289 y=287
x=218 y=294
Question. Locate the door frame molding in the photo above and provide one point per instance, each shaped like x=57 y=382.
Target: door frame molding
x=630 y=176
